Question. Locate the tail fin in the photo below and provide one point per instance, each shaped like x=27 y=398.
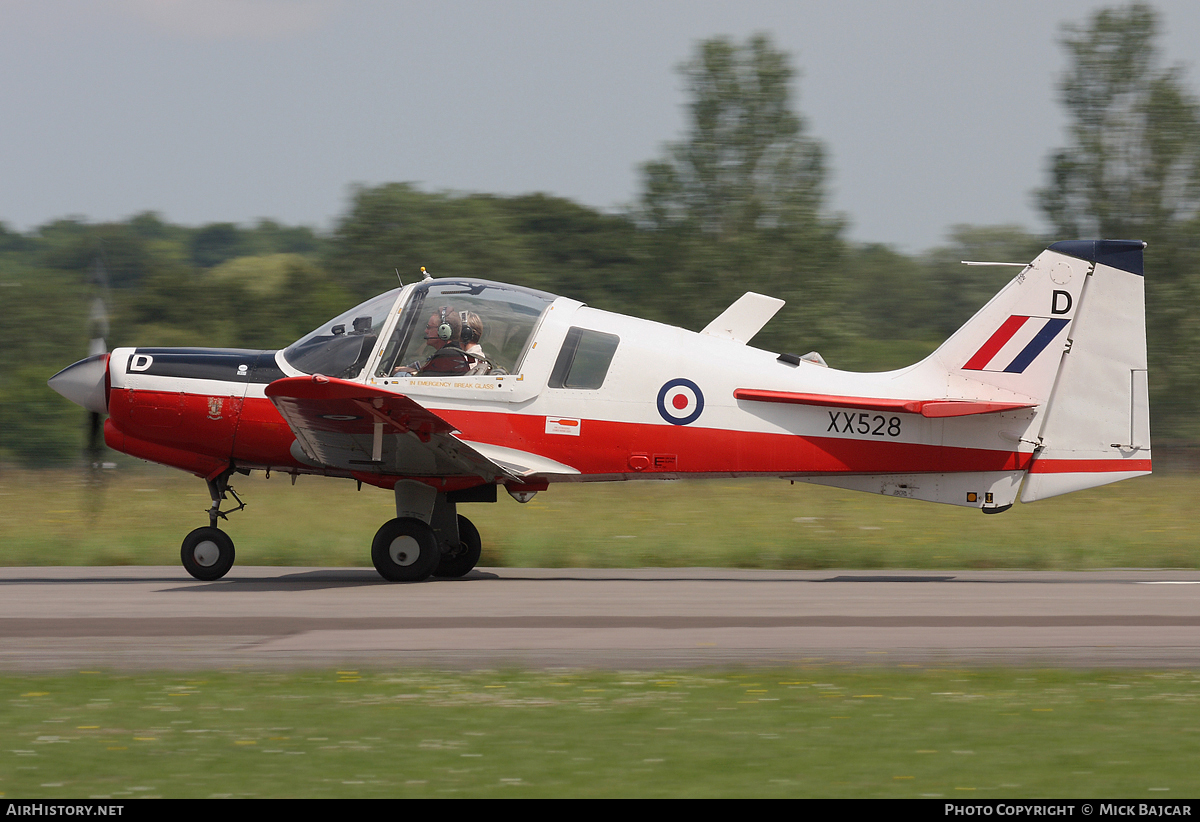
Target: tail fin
x=1015 y=342
x=1069 y=331
x=1096 y=426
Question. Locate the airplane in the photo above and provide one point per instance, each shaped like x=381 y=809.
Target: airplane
x=445 y=389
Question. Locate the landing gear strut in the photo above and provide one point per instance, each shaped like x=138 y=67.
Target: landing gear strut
x=458 y=561
x=207 y=553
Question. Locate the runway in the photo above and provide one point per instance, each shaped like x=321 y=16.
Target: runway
x=158 y=618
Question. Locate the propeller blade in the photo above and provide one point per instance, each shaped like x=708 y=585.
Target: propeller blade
x=98 y=325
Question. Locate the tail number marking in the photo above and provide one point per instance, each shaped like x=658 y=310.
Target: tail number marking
x=875 y=425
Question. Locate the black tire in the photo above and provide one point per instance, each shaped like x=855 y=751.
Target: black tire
x=405 y=550
x=460 y=561
x=207 y=553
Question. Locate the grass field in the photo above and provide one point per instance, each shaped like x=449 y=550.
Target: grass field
x=789 y=732
x=140 y=515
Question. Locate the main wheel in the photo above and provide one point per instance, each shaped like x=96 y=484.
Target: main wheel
x=460 y=561
x=207 y=553
x=405 y=550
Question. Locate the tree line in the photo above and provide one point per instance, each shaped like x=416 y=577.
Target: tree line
x=739 y=203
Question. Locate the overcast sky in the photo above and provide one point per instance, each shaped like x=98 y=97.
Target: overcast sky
x=933 y=112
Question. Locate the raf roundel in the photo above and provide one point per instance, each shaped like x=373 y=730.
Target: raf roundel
x=680 y=402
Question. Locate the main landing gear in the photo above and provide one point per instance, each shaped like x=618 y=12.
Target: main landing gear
x=427 y=538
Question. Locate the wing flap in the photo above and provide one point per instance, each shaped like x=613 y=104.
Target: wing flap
x=521 y=463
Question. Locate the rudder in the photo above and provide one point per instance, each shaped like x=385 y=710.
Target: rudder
x=1096 y=426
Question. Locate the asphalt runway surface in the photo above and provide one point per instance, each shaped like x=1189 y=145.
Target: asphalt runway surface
x=158 y=618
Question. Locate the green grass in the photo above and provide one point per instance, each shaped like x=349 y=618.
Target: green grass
x=802 y=731
x=140 y=515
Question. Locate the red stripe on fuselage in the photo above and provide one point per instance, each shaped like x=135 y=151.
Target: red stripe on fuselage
x=1052 y=466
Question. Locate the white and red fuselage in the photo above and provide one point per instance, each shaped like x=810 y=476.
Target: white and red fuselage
x=1047 y=382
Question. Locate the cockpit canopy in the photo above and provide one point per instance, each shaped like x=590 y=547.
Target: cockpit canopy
x=494 y=322
x=342 y=346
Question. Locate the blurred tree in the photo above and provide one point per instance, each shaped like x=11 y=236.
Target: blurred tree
x=581 y=253
x=275 y=298
x=44 y=327
x=71 y=245
x=149 y=225
x=397 y=227
x=953 y=291
x=215 y=243
x=740 y=203
x=890 y=291
x=746 y=164
x=1133 y=163
x=269 y=237
x=12 y=240
x=1132 y=171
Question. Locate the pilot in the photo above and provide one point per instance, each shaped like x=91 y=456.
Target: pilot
x=472 y=331
x=443 y=333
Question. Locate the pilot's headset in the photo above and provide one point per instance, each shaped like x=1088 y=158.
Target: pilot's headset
x=468 y=334
x=445 y=332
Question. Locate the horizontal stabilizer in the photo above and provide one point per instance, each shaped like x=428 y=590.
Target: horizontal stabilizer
x=926 y=408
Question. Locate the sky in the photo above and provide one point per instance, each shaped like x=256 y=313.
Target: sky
x=933 y=112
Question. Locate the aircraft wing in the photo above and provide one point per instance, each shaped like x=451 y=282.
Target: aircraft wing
x=364 y=429
x=926 y=408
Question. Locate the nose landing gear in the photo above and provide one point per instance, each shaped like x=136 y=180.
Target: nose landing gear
x=207 y=553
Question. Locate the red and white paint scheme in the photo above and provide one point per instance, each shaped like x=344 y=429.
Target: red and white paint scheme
x=445 y=389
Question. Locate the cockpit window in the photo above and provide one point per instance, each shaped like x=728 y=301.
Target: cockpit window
x=340 y=348
x=463 y=328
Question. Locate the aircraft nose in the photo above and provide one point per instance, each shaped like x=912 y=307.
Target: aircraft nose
x=83 y=383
